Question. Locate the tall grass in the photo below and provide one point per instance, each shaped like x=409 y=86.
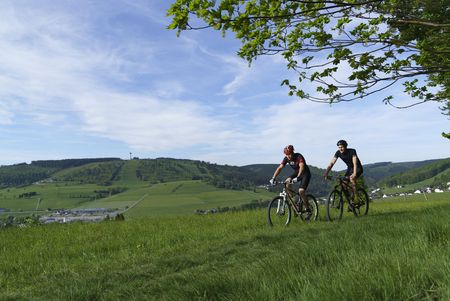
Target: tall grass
x=400 y=254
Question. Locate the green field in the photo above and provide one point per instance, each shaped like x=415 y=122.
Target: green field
x=174 y=198
x=400 y=251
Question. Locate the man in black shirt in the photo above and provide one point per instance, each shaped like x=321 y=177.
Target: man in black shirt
x=301 y=171
x=349 y=156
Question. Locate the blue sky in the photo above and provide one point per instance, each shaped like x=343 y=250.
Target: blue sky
x=81 y=79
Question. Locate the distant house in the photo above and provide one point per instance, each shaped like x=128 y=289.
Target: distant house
x=376 y=190
x=417 y=191
x=438 y=190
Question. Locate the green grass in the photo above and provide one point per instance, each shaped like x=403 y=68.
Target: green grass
x=60 y=195
x=401 y=251
x=184 y=197
x=174 y=198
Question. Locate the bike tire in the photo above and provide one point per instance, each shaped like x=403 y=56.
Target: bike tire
x=278 y=212
x=361 y=207
x=335 y=206
x=313 y=205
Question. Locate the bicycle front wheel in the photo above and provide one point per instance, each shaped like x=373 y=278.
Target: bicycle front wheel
x=335 y=206
x=313 y=212
x=361 y=205
x=278 y=212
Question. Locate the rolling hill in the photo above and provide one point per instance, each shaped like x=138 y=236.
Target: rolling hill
x=172 y=186
x=435 y=173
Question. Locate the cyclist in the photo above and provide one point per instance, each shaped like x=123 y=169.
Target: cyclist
x=349 y=156
x=301 y=172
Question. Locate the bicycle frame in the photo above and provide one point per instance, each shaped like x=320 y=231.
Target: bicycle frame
x=344 y=187
x=289 y=200
x=287 y=194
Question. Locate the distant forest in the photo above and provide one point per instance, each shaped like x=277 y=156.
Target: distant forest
x=104 y=171
x=23 y=174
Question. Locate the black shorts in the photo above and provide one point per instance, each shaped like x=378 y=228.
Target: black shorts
x=303 y=180
x=349 y=172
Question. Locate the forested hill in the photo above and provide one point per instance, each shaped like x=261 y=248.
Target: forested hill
x=106 y=171
x=25 y=174
x=436 y=172
x=376 y=172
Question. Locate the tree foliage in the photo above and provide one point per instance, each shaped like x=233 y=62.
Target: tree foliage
x=349 y=49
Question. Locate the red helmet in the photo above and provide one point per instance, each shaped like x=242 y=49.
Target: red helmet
x=288 y=150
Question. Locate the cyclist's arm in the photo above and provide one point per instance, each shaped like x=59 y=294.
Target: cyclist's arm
x=301 y=166
x=278 y=170
x=330 y=166
x=355 y=165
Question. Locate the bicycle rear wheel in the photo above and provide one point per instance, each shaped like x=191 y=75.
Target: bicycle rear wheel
x=278 y=212
x=335 y=206
x=314 y=209
x=361 y=205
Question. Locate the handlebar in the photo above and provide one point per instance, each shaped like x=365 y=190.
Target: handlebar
x=275 y=183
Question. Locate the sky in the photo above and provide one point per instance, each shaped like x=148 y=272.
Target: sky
x=90 y=79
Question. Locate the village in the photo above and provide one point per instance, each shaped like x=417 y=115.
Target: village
x=377 y=193
x=80 y=215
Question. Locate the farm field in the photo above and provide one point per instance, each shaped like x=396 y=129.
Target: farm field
x=400 y=251
x=174 y=198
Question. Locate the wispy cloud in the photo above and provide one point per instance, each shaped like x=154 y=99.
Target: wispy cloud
x=112 y=72
x=52 y=75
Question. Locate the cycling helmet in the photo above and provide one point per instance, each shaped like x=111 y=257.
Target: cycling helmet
x=288 y=150
x=342 y=142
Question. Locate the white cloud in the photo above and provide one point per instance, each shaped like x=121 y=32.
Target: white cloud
x=88 y=73
x=146 y=123
x=57 y=77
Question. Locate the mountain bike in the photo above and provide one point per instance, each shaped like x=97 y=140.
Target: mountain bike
x=343 y=190
x=280 y=209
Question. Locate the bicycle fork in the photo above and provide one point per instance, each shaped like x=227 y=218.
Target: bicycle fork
x=280 y=206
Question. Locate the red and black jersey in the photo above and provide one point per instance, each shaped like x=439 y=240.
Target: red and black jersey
x=297 y=158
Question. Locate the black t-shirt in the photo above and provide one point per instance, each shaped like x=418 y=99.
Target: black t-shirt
x=295 y=162
x=347 y=157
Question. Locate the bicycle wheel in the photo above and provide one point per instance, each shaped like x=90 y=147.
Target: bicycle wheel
x=314 y=209
x=278 y=212
x=361 y=205
x=335 y=206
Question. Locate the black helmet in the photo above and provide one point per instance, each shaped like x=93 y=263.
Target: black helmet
x=342 y=142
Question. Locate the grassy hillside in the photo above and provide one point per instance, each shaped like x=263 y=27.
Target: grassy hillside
x=399 y=252
x=177 y=198
x=376 y=172
x=137 y=198
x=436 y=172
x=112 y=183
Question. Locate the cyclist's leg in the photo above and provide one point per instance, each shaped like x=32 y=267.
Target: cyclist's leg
x=350 y=188
x=357 y=183
x=304 y=182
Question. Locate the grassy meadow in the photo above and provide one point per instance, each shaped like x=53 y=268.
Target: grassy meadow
x=140 y=199
x=400 y=251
